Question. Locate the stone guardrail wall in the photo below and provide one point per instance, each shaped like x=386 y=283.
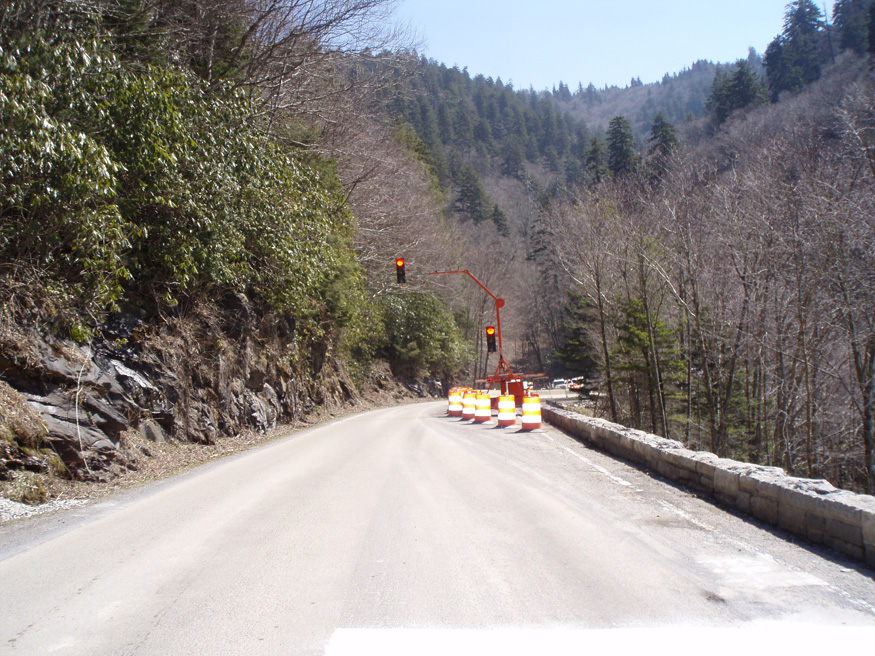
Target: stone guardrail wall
x=812 y=509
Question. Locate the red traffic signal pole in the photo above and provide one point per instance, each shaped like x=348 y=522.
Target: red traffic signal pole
x=503 y=367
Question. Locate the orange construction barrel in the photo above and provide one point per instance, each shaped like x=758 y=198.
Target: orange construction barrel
x=469 y=404
x=531 y=412
x=506 y=411
x=483 y=408
x=454 y=409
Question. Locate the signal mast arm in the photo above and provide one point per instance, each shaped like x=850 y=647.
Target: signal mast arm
x=499 y=303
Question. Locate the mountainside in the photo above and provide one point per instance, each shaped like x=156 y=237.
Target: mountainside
x=200 y=213
x=680 y=269
x=679 y=98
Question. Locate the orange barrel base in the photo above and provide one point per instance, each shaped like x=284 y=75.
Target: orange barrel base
x=483 y=408
x=454 y=409
x=469 y=403
x=531 y=412
x=506 y=411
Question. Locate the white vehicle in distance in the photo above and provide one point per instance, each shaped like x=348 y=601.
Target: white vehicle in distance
x=560 y=383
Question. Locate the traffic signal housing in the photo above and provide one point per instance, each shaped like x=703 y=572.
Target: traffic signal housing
x=490 y=339
x=399 y=271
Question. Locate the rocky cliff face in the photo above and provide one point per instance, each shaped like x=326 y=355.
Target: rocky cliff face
x=208 y=371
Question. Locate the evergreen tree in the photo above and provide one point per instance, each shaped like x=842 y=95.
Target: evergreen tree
x=871 y=48
x=445 y=124
x=735 y=91
x=429 y=132
x=777 y=68
x=803 y=19
x=622 y=157
x=513 y=158
x=579 y=145
x=647 y=362
x=663 y=137
x=850 y=17
x=596 y=166
x=563 y=93
x=663 y=141
x=499 y=218
x=462 y=127
x=574 y=173
x=591 y=95
x=794 y=58
x=472 y=199
x=483 y=137
x=551 y=157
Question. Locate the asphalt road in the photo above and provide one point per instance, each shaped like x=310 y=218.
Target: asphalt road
x=405 y=531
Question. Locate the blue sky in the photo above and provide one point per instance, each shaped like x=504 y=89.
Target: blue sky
x=540 y=42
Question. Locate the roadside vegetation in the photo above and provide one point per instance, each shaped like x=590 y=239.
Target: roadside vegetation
x=169 y=151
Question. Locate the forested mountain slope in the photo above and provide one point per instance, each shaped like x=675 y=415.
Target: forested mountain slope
x=715 y=274
x=200 y=208
x=679 y=97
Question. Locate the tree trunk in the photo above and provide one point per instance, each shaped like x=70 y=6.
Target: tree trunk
x=612 y=402
x=869 y=436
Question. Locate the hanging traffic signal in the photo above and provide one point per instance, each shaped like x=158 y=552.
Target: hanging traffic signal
x=399 y=271
x=490 y=339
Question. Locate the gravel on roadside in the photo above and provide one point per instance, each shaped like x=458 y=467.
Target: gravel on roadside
x=10 y=510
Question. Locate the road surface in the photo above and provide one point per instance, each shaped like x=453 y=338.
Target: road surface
x=405 y=530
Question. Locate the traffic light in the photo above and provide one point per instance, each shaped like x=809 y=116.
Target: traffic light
x=399 y=270
x=490 y=339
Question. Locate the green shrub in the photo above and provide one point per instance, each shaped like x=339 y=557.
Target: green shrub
x=422 y=337
x=117 y=174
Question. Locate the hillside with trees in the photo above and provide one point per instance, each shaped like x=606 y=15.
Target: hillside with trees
x=198 y=216
x=712 y=273
x=728 y=284
x=678 y=97
x=200 y=205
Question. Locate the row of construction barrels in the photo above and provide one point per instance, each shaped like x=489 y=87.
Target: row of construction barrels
x=476 y=405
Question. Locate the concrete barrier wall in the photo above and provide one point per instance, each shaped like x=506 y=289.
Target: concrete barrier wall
x=812 y=509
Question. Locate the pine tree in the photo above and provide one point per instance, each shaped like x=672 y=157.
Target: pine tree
x=777 y=68
x=563 y=93
x=462 y=127
x=663 y=137
x=622 y=157
x=445 y=124
x=735 y=91
x=499 y=218
x=574 y=173
x=663 y=141
x=871 y=48
x=595 y=160
x=472 y=199
x=513 y=158
x=592 y=94
x=794 y=58
x=850 y=17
